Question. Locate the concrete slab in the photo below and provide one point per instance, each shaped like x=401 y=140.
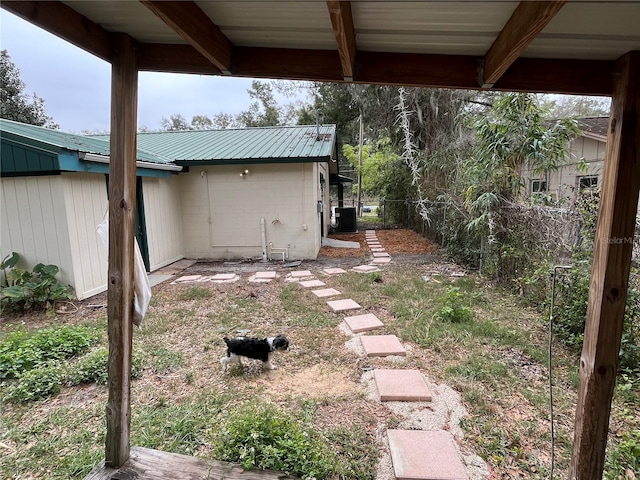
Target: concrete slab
x=365 y=269
x=332 y=242
x=301 y=274
x=157 y=279
x=369 y=231
x=377 y=249
x=265 y=275
x=425 y=455
x=380 y=254
x=189 y=278
x=176 y=267
x=225 y=278
x=312 y=283
x=343 y=305
x=326 y=292
x=363 y=323
x=382 y=345
x=381 y=260
x=401 y=385
x=334 y=271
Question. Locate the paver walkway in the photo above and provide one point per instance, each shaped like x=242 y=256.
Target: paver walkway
x=401 y=385
x=382 y=345
x=363 y=323
x=425 y=455
x=415 y=454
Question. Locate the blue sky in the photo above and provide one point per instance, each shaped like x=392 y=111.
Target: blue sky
x=75 y=85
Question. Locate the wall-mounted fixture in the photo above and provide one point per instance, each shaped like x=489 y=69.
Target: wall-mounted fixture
x=244 y=173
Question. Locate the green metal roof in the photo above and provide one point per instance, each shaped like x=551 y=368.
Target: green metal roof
x=56 y=141
x=267 y=144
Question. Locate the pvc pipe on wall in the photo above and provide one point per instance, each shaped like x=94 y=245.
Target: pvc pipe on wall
x=263 y=234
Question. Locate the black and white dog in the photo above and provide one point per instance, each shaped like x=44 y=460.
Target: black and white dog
x=256 y=348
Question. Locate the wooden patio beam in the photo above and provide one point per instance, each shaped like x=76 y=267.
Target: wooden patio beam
x=585 y=77
x=122 y=200
x=193 y=25
x=342 y=21
x=63 y=21
x=528 y=19
x=610 y=273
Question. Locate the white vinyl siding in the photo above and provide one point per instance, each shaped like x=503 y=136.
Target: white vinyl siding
x=221 y=210
x=163 y=223
x=85 y=197
x=34 y=223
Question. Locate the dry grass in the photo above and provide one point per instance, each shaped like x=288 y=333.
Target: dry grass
x=496 y=363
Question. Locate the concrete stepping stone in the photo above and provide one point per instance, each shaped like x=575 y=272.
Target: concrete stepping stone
x=343 y=305
x=265 y=275
x=425 y=455
x=382 y=345
x=377 y=249
x=334 y=271
x=189 y=278
x=365 y=269
x=381 y=260
x=225 y=278
x=301 y=274
x=326 y=292
x=312 y=283
x=369 y=231
x=363 y=323
x=262 y=277
x=401 y=385
x=380 y=254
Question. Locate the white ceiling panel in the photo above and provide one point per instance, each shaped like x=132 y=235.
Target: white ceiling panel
x=432 y=43
x=426 y=16
x=127 y=16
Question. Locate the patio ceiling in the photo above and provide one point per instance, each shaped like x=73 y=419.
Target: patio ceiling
x=542 y=46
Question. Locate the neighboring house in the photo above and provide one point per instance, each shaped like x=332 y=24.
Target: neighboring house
x=588 y=150
x=222 y=194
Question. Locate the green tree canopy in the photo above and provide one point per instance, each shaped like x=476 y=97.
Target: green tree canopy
x=15 y=104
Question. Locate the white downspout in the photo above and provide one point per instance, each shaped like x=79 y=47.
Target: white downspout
x=263 y=234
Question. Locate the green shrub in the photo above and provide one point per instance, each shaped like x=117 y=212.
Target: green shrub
x=266 y=438
x=94 y=368
x=453 y=310
x=570 y=313
x=35 y=384
x=21 y=351
x=36 y=289
x=625 y=455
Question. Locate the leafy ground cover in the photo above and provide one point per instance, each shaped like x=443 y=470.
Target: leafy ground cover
x=462 y=331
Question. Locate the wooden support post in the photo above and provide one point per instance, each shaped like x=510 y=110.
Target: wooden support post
x=122 y=198
x=610 y=274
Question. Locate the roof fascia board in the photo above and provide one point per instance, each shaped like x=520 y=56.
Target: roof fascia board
x=594 y=136
x=63 y=21
x=526 y=22
x=252 y=161
x=71 y=162
x=91 y=157
x=193 y=25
